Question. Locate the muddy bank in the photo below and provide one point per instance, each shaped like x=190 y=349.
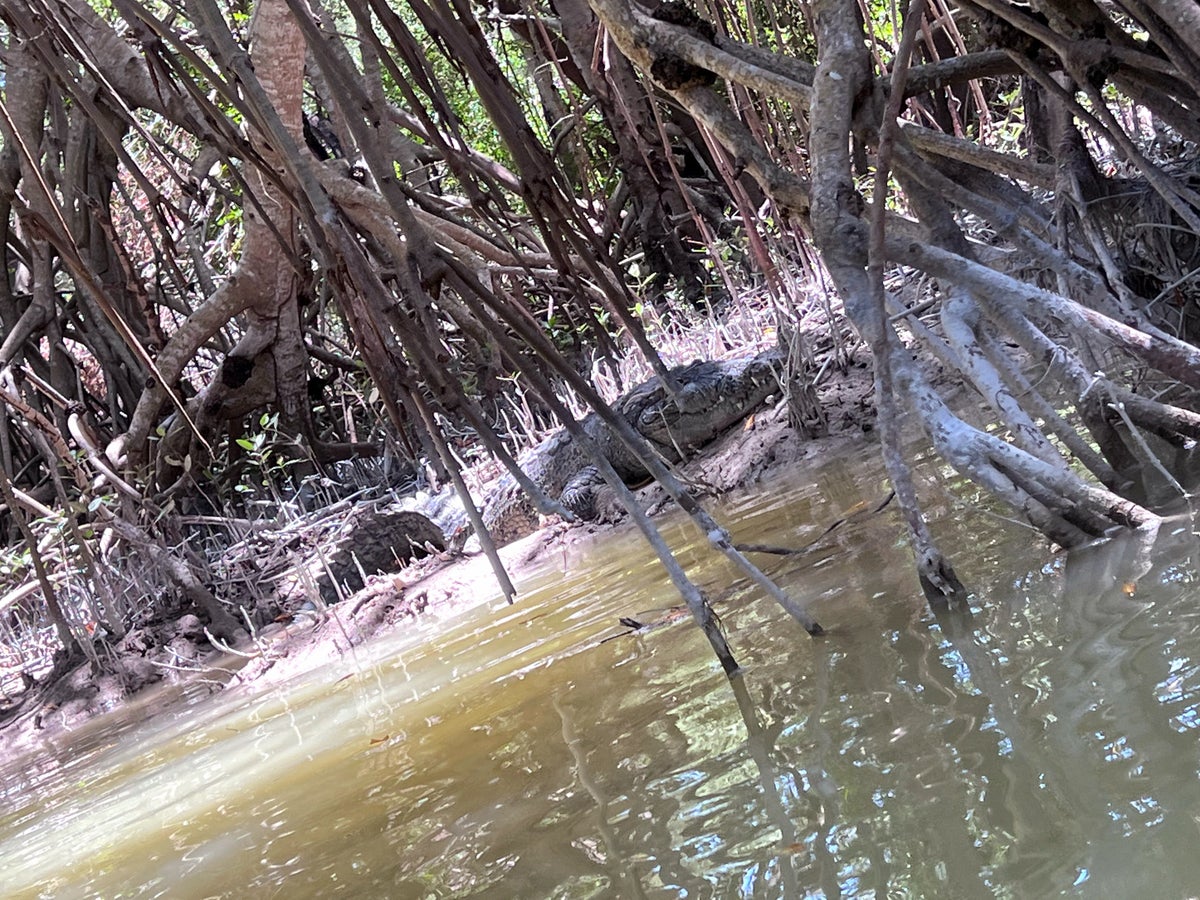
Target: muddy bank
x=442 y=585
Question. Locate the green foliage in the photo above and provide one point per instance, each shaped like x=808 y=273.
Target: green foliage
x=1006 y=131
x=471 y=118
x=882 y=24
x=267 y=464
x=569 y=335
x=15 y=562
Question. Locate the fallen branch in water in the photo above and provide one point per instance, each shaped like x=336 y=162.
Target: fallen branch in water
x=794 y=551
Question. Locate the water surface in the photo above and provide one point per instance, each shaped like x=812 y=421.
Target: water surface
x=1043 y=745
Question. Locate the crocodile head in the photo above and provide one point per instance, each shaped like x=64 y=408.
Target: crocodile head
x=712 y=397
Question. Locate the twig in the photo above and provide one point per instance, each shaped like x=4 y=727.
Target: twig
x=225 y=648
x=795 y=551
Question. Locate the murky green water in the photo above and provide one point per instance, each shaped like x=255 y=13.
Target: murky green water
x=1047 y=745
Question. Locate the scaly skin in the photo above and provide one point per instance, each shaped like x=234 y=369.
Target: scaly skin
x=713 y=396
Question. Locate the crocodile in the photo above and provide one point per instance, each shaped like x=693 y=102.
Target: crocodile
x=711 y=397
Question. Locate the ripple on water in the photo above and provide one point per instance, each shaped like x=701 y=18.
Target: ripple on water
x=1043 y=744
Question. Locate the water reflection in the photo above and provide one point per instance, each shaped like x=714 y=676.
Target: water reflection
x=1042 y=742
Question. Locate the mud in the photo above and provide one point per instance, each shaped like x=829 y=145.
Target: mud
x=428 y=589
